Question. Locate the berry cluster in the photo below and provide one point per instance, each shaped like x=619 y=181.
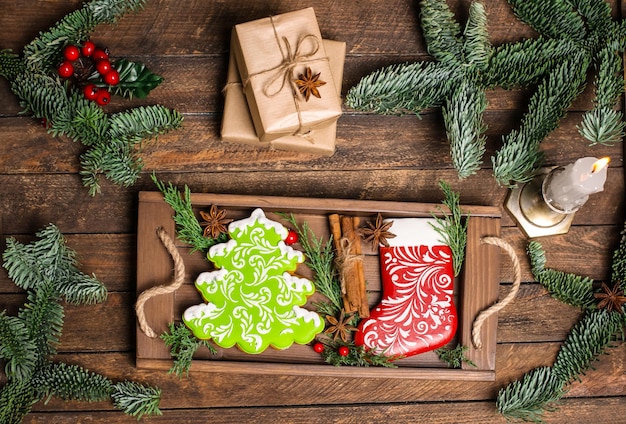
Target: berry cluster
x=82 y=63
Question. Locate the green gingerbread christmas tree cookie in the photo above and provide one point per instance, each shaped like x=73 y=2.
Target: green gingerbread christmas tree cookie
x=253 y=300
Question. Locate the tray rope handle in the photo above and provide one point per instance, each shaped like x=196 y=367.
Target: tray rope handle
x=480 y=319
x=179 y=278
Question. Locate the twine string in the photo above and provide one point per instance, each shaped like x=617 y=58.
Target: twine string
x=345 y=260
x=179 y=277
x=480 y=319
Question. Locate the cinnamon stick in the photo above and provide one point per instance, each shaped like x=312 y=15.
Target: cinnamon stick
x=347 y=244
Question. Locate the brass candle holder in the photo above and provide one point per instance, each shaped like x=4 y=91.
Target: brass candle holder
x=536 y=216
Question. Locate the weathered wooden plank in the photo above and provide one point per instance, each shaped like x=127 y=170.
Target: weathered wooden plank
x=569 y=410
x=201 y=390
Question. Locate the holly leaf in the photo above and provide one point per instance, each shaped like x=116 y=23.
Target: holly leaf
x=135 y=79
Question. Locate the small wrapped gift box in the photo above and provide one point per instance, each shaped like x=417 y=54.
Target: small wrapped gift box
x=238 y=127
x=271 y=53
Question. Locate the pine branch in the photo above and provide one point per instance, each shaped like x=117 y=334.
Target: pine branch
x=16 y=348
x=451 y=227
x=528 y=398
x=568 y=288
x=441 y=31
x=16 y=400
x=551 y=18
x=188 y=228
x=11 y=65
x=603 y=124
x=320 y=258
x=143 y=122
x=618 y=267
x=597 y=14
x=454 y=357
x=526 y=62
x=587 y=340
x=519 y=158
x=45 y=51
x=183 y=345
x=403 y=88
x=136 y=399
x=71 y=382
x=82 y=289
x=465 y=128
x=477 y=48
x=358 y=356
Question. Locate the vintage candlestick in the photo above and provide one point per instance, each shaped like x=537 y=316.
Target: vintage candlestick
x=546 y=205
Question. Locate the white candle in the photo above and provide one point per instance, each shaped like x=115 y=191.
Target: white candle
x=569 y=187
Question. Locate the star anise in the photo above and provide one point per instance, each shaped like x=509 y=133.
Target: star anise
x=611 y=299
x=214 y=222
x=340 y=327
x=377 y=233
x=307 y=84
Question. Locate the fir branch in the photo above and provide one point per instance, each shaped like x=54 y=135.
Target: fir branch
x=11 y=65
x=552 y=18
x=477 y=48
x=82 y=289
x=16 y=348
x=528 y=398
x=143 y=122
x=183 y=345
x=403 y=88
x=188 y=228
x=568 y=288
x=618 y=266
x=441 y=31
x=16 y=400
x=454 y=357
x=597 y=14
x=320 y=259
x=589 y=338
x=136 y=399
x=451 y=227
x=465 y=128
x=72 y=382
x=519 y=158
x=602 y=126
x=526 y=62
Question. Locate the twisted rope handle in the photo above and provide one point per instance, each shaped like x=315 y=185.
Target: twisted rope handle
x=179 y=277
x=480 y=319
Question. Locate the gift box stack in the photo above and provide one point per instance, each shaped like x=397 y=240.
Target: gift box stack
x=284 y=85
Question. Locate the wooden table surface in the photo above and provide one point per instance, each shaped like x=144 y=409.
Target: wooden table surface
x=377 y=158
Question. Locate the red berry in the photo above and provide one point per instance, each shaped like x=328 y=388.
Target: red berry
x=88 y=48
x=103 y=97
x=71 y=53
x=112 y=77
x=90 y=92
x=318 y=347
x=66 y=69
x=99 y=54
x=343 y=351
x=103 y=67
x=292 y=238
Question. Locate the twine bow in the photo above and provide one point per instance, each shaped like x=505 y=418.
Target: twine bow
x=344 y=260
x=283 y=72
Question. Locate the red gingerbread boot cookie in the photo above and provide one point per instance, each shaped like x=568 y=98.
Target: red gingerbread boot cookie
x=417 y=311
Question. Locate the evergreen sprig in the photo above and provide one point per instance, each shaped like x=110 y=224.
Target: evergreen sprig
x=454 y=357
x=183 y=345
x=358 y=356
x=113 y=141
x=320 y=258
x=452 y=227
x=188 y=228
x=573 y=38
x=47 y=270
x=539 y=389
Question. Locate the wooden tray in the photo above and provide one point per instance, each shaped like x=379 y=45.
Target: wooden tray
x=475 y=290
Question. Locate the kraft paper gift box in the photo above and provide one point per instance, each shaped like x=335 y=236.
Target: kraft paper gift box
x=270 y=54
x=238 y=127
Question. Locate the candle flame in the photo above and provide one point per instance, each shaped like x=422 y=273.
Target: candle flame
x=600 y=164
